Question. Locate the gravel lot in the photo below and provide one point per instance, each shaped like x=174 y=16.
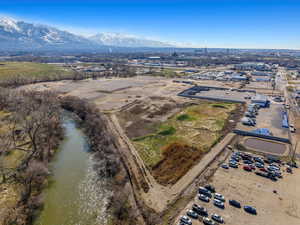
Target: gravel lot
x=250 y=189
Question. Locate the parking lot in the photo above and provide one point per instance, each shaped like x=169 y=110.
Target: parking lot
x=276 y=202
x=270 y=118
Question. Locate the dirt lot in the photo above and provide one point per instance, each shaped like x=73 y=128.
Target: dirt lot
x=250 y=189
x=266 y=146
x=113 y=94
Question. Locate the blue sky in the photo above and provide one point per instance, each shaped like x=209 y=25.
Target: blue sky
x=211 y=23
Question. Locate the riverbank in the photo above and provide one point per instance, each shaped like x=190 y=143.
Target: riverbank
x=30 y=133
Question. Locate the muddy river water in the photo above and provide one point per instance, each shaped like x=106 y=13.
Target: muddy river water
x=76 y=195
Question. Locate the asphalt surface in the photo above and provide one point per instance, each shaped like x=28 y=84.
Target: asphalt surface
x=265 y=146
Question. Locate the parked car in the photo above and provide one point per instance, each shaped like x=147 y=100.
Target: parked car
x=292 y=128
x=252 y=166
x=186 y=220
x=250 y=209
x=259 y=165
x=272 y=168
x=278 y=174
x=204 y=191
x=277 y=166
x=208 y=221
x=248 y=121
x=293 y=164
x=247 y=168
x=235 y=203
x=225 y=166
x=217 y=218
x=252 y=110
x=235 y=158
x=210 y=188
x=272 y=176
x=219 y=197
x=219 y=203
x=192 y=214
x=250 y=114
x=289 y=170
x=263 y=169
x=248 y=161
x=257 y=159
x=246 y=156
x=200 y=210
x=203 y=198
x=257 y=106
x=262 y=174
x=233 y=164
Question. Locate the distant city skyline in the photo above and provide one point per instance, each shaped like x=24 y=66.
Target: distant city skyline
x=203 y=23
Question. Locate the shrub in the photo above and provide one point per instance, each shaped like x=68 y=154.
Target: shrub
x=183 y=117
x=167 y=131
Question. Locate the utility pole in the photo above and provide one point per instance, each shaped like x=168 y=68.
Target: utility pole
x=294 y=151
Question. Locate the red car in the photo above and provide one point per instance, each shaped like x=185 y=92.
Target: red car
x=252 y=167
x=263 y=169
x=247 y=168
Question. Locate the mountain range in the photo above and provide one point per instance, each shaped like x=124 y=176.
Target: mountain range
x=20 y=35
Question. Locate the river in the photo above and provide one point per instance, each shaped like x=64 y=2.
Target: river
x=76 y=195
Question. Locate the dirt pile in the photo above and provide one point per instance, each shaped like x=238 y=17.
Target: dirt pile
x=178 y=159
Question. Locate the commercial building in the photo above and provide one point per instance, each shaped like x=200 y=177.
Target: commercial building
x=262 y=100
x=253 y=66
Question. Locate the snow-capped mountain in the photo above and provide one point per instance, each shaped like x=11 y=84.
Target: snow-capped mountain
x=126 y=40
x=21 y=35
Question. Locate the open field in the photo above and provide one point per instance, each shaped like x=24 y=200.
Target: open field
x=113 y=94
x=24 y=70
x=171 y=147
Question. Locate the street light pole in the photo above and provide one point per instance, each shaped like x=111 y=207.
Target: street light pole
x=294 y=152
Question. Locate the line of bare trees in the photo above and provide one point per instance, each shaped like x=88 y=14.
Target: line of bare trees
x=32 y=128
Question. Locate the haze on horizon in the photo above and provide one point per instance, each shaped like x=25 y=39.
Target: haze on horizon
x=203 y=23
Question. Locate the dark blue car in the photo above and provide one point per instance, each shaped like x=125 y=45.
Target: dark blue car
x=250 y=209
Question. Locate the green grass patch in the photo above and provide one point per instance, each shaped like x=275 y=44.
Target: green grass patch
x=31 y=70
x=184 y=117
x=167 y=131
x=198 y=125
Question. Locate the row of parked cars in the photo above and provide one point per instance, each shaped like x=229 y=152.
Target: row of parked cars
x=249 y=118
x=265 y=167
x=207 y=194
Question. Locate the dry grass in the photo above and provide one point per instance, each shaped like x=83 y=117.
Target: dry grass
x=167 y=170
x=29 y=70
x=9 y=192
x=178 y=143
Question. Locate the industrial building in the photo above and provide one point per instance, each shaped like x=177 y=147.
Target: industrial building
x=262 y=100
